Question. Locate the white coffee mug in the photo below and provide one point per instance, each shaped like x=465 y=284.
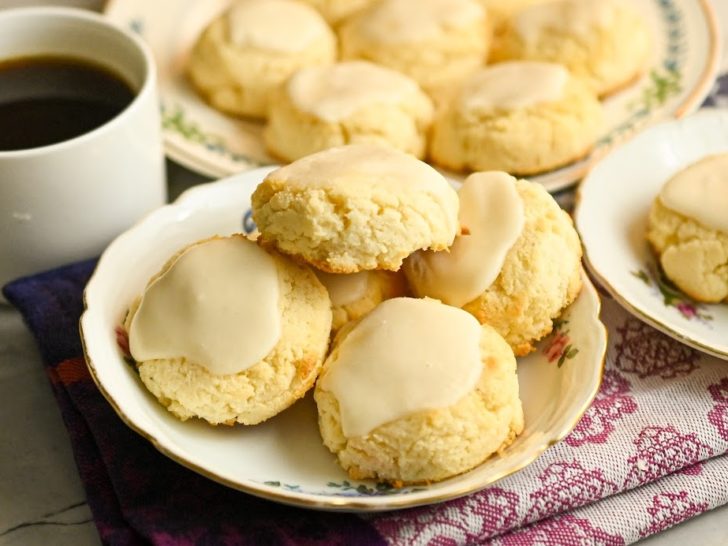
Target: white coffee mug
x=66 y=201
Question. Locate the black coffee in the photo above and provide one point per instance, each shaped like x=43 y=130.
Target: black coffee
x=45 y=100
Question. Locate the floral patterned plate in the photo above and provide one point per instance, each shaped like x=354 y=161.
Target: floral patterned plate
x=680 y=73
x=283 y=459
x=611 y=216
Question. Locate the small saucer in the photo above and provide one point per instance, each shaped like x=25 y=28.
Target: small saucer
x=611 y=217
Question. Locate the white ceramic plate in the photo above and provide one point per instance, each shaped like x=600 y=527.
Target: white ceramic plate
x=679 y=76
x=284 y=459
x=611 y=217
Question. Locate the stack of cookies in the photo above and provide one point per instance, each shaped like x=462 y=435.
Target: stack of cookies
x=404 y=302
x=466 y=84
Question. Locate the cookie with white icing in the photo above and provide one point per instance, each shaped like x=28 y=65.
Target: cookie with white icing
x=354 y=295
x=605 y=42
x=355 y=208
x=416 y=392
x=516 y=266
x=520 y=117
x=346 y=103
x=229 y=332
x=246 y=52
x=435 y=42
x=688 y=229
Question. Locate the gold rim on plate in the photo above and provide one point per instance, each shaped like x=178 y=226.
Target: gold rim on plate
x=645 y=317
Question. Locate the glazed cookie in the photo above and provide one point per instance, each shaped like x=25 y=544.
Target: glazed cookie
x=355 y=208
x=515 y=268
x=229 y=332
x=445 y=388
x=354 y=295
x=335 y=11
x=435 y=42
x=688 y=229
x=252 y=48
x=349 y=102
x=605 y=42
x=519 y=117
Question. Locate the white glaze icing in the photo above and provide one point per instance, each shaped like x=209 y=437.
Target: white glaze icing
x=362 y=165
x=335 y=92
x=578 y=17
x=492 y=215
x=403 y=21
x=700 y=192
x=407 y=355
x=285 y=26
x=369 y=169
x=216 y=306
x=513 y=85
x=345 y=289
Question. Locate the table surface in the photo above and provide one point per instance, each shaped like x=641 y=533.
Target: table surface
x=42 y=500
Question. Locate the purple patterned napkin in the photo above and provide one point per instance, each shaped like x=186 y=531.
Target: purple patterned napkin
x=649 y=453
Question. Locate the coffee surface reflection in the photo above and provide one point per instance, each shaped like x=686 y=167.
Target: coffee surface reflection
x=46 y=100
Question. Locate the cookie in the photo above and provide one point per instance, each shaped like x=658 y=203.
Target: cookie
x=605 y=42
x=520 y=117
x=515 y=268
x=244 y=54
x=445 y=388
x=435 y=42
x=229 y=332
x=353 y=296
x=355 y=208
x=345 y=103
x=688 y=229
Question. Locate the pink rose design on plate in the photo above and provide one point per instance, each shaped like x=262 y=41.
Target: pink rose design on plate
x=566 y=486
x=462 y=521
x=718 y=416
x=647 y=352
x=687 y=310
x=669 y=509
x=559 y=347
x=661 y=451
x=565 y=530
x=611 y=404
